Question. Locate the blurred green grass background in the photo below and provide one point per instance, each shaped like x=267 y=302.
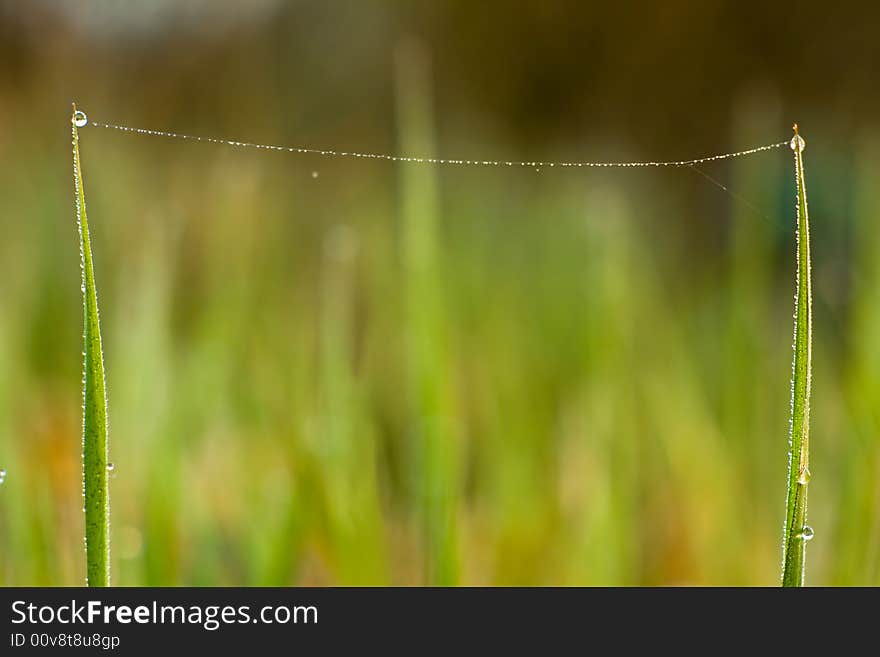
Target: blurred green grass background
x=326 y=371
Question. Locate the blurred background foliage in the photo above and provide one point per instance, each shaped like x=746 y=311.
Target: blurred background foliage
x=326 y=371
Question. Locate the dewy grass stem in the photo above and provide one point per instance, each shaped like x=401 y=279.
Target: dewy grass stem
x=95 y=472
x=797 y=532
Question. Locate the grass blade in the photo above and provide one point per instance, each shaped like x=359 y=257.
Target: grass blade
x=97 y=499
x=436 y=456
x=797 y=532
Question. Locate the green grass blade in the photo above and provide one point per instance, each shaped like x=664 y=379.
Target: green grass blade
x=797 y=533
x=436 y=461
x=97 y=499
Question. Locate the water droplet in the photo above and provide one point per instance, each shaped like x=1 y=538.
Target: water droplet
x=2 y=475
x=314 y=174
x=798 y=143
x=806 y=533
x=110 y=467
x=804 y=477
x=80 y=120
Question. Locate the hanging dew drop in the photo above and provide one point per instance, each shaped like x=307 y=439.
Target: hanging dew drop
x=80 y=120
x=798 y=144
x=806 y=533
x=804 y=477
